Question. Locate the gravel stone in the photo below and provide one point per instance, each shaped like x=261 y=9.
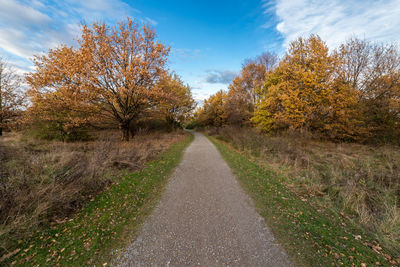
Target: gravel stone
x=204 y=218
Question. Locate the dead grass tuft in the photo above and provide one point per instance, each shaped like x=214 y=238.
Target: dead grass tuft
x=360 y=181
x=46 y=181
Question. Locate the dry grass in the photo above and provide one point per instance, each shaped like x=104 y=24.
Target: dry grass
x=358 y=181
x=43 y=182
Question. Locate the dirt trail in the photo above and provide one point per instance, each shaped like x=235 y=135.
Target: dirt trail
x=204 y=218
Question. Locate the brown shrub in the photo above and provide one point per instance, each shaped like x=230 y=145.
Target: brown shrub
x=361 y=180
x=44 y=181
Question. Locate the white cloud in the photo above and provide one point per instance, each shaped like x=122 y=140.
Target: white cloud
x=13 y=41
x=29 y=27
x=201 y=90
x=182 y=54
x=150 y=21
x=16 y=13
x=337 y=20
x=220 y=76
x=90 y=10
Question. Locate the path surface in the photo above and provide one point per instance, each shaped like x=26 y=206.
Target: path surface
x=204 y=218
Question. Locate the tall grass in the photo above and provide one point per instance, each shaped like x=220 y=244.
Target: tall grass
x=44 y=182
x=360 y=182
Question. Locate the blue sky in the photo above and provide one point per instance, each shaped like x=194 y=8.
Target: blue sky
x=209 y=39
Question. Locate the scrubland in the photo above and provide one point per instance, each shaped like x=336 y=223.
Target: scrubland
x=46 y=182
x=359 y=182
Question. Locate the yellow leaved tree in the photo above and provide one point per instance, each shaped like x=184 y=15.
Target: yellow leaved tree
x=213 y=111
x=307 y=91
x=244 y=90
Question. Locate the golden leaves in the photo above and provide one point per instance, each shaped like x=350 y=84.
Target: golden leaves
x=305 y=92
x=213 y=113
x=237 y=106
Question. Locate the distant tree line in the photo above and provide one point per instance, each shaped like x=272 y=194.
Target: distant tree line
x=348 y=94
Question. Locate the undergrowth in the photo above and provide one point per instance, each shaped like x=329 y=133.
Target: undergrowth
x=354 y=184
x=47 y=182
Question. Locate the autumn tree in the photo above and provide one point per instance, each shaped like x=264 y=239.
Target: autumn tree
x=373 y=70
x=254 y=72
x=11 y=98
x=213 y=111
x=113 y=73
x=306 y=92
x=239 y=106
x=176 y=102
x=60 y=100
x=244 y=89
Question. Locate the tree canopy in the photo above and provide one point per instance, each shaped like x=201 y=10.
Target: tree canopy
x=111 y=75
x=348 y=94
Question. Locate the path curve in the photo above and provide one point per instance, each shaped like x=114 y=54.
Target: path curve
x=204 y=218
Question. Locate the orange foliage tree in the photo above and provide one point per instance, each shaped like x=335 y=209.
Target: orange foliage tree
x=306 y=91
x=350 y=94
x=58 y=95
x=213 y=111
x=111 y=75
x=176 y=103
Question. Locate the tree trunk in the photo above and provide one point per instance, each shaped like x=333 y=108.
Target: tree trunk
x=170 y=123
x=132 y=130
x=125 y=131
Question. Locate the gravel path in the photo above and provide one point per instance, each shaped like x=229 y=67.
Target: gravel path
x=204 y=218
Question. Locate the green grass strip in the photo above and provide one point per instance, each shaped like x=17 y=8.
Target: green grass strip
x=104 y=224
x=312 y=237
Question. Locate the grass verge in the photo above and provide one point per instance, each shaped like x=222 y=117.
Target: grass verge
x=104 y=223
x=311 y=236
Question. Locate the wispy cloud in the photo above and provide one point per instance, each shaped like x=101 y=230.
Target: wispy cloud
x=336 y=20
x=29 y=27
x=114 y=9
x=150 y=21
x=184 y=54
x=201 y=89
x=19 y=14
x=218 y=76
